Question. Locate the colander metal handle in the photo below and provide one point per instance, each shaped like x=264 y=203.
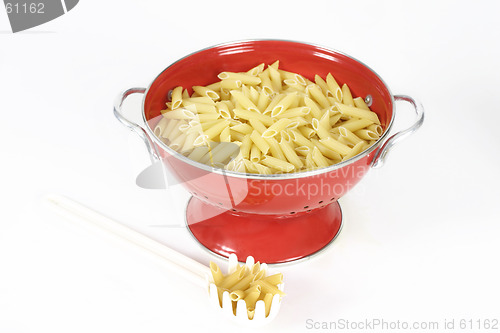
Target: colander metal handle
x=380 y=156
x=154 y=155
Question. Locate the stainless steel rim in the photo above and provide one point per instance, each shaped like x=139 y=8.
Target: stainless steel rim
x=295 y=261
x=272 y=176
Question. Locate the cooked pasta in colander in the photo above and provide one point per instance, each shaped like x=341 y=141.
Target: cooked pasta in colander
x=268 y=120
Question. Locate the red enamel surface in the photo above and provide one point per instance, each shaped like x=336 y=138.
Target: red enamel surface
x=232 y=214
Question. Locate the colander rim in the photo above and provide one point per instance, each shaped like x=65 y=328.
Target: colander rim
x=276 y=176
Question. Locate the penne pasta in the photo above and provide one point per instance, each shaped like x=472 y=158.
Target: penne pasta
x=176 y=97
x=268 y=120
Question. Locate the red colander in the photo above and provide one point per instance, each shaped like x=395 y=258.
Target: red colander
x=275 y=218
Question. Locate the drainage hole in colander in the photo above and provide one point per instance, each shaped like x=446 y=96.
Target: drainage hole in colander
x=309 y=210
x=220 y=203
x=292 y=212
x=194 y=193
x=233 y=210
x=320 y=202
x=332 y=199
x=205 y=197
x=305 y=207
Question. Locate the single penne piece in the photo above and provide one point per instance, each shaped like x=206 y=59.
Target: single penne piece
x=251 y=298
x=275 y=65
x=274 y=279
x=214 y=86
x=198 y=100
x=357 y=112
x=256 y=70
x=236 y=295
x=231 y=279
x=350 y=136
x=355 y=124
x=204 y=117
x=277 y=164
x=263 y=101
x=376 y=128
x=346 y=95
x=176 y=97
x=255 y=154
x=259 y=141
x=298 y=121
x=244 y=128
x=324 y=121
x=327 y=152
x=243 y=77
x=358 y=148
x=199 y=107
x=315 y=91
x=257 y=125
x=179 y=114
x=160 y=126
x=276 y=128
x=275 y=77
x=284 y=104
x=334 y=87
x=307 y=131
x=216 y=273
x=315 y=110
x=189 y=143
x=319 y=159
x=303 y=150
x=360 y=103
x=245 y=147
x=293 y=85
x=248 y=115
x=366 y=134
x=274 y=148
x=268 y=300
x=286 y=75
x=225 y=135
x=230 y=84
x=336 y=146
x=266 y=83
x=300 y=111
x=204 y=91
x=185 y=94
x=290 y=154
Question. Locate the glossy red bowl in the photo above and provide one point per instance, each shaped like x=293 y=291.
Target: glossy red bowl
x=275 y=218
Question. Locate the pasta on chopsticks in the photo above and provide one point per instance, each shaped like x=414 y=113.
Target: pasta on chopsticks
x=268 y=120
x=250 y=284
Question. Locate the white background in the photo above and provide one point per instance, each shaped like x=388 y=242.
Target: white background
x=421 y=234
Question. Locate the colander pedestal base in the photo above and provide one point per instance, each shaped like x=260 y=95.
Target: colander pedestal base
x=268 y=238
